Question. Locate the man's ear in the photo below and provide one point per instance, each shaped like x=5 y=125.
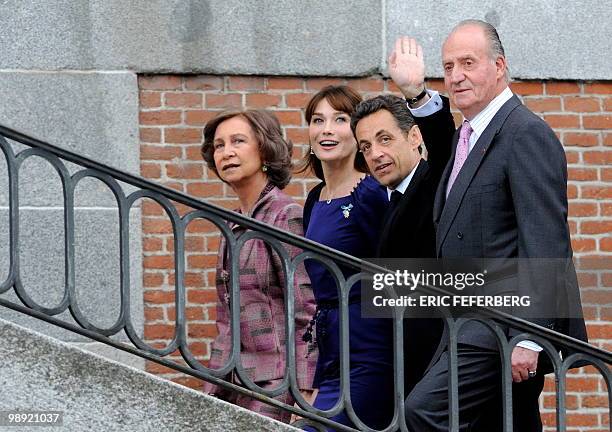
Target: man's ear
x=414 y=137
x=500 y=66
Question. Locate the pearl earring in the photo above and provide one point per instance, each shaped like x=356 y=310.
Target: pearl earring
x=264 y=168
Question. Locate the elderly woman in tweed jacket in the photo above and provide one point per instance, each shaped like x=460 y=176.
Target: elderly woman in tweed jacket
x=247 y=151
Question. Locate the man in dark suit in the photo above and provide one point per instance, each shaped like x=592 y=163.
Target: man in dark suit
x=502 y=195
x=390 y=137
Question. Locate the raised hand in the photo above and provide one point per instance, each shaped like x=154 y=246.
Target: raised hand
x=407 y=67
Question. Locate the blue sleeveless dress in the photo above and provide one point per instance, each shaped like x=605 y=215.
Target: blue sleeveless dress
x=351 y=224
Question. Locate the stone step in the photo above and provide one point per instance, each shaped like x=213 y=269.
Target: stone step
x=94 y=393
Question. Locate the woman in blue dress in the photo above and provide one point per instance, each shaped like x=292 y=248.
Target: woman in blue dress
x=344 y=212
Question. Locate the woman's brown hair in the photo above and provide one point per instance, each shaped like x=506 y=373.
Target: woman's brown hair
x=341 y=98
x=274 y=150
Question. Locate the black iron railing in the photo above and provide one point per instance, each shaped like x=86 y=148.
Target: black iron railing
x=551 y=341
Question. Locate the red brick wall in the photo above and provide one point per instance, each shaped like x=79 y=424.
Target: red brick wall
x=173 y=110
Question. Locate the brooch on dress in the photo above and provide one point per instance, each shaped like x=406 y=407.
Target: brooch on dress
x=346 y=210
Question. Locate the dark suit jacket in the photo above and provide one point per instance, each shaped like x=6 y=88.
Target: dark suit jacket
x=510 y=201
x=408 y=232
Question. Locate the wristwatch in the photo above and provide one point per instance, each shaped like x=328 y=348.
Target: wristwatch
x=414 y=100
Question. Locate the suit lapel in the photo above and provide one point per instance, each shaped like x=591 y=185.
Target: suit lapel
x=391 y=219
x=265 y=206
x=413 y=187
x=463 y=180
x=385 y=229
x=440 y=197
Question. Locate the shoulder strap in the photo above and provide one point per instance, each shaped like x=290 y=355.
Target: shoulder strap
x=313 y=197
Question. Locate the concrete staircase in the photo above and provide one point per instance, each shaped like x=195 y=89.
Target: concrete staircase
x=41 y=373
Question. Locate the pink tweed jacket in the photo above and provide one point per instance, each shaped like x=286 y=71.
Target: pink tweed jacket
x=262 y=293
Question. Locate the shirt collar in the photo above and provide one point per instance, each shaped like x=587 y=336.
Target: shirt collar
x=404 y=183
x=480 y=122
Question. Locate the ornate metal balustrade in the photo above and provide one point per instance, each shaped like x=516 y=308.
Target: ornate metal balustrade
x=166 y=197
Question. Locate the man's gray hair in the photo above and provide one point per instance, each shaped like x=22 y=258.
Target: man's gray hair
x=496 y=49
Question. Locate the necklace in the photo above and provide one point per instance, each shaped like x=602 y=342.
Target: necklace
x=331 y=196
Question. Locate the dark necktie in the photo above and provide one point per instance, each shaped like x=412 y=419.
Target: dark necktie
x=396 y=196
x=394 y=200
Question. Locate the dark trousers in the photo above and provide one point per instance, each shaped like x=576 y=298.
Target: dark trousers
x=480 y=401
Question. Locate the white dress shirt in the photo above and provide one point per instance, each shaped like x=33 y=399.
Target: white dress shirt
x=481 y=120
x=403 y=184
x=432 y=106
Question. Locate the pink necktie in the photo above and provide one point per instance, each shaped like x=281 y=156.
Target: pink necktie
x=461 y=154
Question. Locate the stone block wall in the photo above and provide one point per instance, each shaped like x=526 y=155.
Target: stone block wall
x=94 y=114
